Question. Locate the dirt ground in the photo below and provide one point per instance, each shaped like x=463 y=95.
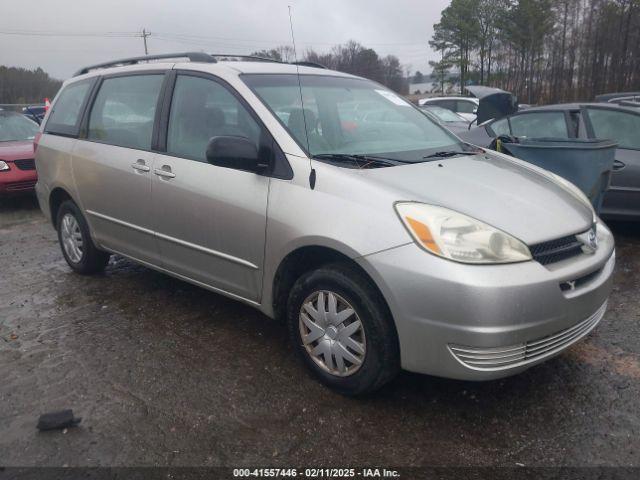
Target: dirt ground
x=165 y=373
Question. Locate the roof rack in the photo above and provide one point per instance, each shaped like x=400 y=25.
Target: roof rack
x=267 y=59
x=192 y=56
x=248 y=57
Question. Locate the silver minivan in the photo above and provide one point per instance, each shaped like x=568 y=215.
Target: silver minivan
x=328 y=201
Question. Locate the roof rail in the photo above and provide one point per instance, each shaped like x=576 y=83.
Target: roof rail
x=249 y=57
x=267 y=59
x=192 y=56
x=309 y=64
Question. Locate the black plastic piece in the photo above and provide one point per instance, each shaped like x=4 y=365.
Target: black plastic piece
x=57 y=420
x=312 y=179
x=192 y=56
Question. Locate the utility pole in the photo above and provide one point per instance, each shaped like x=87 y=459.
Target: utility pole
x=144 y=35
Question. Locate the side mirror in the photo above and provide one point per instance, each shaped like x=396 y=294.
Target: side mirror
x=239 y=153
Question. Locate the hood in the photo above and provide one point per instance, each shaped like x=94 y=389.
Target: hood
x=518 y=199
x=494 y=103
x=16 y=150
x=456 y=127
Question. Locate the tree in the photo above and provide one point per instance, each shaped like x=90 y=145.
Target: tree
x=441 y=70
x=418 y=77
x=283 y=53
x=19 y=85
x=489 y=15
x=351 y=57
x=457 y=35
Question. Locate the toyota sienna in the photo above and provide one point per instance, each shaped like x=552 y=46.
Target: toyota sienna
x=328 y=201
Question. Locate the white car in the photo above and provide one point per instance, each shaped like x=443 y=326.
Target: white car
x=466 y=107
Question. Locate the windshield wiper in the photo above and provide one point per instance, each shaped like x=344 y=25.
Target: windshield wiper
x=450 y=153
x=447 y=154
x=360 y=160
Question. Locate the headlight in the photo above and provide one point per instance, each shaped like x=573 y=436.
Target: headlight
x=458 y=237
x=3 y=166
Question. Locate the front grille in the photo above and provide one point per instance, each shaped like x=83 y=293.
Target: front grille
x=19 y=186
x=556 y=250
x=27 y=164
x=502 y=358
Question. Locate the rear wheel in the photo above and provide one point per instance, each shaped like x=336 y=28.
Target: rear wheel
x=343 y=330
x=75 y=241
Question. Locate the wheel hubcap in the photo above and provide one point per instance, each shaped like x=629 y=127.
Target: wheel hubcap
x=71 y=238
x=332 y=333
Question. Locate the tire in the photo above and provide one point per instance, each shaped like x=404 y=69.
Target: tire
x=86 y=258
x=380 y=361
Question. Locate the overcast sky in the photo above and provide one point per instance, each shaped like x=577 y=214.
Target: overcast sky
x=399 y=27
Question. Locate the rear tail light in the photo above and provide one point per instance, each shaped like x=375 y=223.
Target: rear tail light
x=36 y=140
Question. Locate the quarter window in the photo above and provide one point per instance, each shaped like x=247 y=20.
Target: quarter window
x=464 y=106
x=124 y=111
x=622 y=127
x=540 y=125
x=65 y=117
x=202 y=109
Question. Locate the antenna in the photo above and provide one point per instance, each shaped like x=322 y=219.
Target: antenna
x=295 y=56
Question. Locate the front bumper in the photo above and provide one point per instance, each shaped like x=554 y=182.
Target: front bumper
x=493 y=310
x=16 y=181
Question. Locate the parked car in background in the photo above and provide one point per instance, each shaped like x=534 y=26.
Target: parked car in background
x=34 y=112
x=466 y=107
x=619 y=97
x=582 y=120
x=383 y=243
x=452 y=120
x=17 y=166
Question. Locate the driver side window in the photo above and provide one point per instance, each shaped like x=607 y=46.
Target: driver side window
x=201 y=109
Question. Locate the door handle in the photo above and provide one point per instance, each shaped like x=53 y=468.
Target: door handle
x=618 y=165
x=140 y=166
x=164 y=172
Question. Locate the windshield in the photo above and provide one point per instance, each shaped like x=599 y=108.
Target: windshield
x=444 y=114
x=14 y=126
x=350 y=116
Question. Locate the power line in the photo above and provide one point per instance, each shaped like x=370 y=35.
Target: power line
x=44 y=33
x=183 y=36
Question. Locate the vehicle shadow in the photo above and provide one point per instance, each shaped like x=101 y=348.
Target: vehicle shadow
x=18 y=209
x=625 y=230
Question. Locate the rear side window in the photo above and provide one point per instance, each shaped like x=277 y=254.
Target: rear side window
x=540 y=125
x=64 y=118
x=622 y=127
x=124 y=110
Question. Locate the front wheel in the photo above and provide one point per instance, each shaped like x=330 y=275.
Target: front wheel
x=75 y=241
x=343 y=330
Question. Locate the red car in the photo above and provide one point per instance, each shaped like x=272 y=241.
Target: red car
x=17 y=165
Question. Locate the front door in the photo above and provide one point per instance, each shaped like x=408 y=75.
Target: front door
x=210 y=220
x=112 y=165
x=623 y=198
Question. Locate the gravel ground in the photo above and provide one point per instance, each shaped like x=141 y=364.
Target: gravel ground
x=165 y=373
